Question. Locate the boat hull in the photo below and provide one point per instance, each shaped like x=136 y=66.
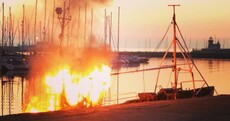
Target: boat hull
x=199 y=92
x=168 y=93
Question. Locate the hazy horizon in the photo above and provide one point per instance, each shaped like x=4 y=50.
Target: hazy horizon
x=142 y=23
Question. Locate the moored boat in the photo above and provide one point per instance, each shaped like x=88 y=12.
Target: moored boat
x=10 y=62
x=188 y=67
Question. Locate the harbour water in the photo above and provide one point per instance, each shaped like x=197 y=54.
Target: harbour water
x=123 y=87
x=215 y=72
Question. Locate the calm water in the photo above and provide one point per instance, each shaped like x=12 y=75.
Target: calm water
x=216 y=72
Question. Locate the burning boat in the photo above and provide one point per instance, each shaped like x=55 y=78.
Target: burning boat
x=67 y=78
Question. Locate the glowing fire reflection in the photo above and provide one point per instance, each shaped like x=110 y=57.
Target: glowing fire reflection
x=65 y=88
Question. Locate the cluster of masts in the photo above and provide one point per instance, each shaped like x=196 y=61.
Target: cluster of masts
x=24 y=29
x=9 y=29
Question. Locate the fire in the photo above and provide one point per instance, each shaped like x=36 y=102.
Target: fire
x=65 y=88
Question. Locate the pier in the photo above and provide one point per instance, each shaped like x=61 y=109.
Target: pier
x=208 y=108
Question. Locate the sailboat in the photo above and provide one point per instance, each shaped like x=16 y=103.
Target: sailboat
x=188 y=66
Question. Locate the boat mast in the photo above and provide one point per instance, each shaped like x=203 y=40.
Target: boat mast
x=35 y=21
x=52 y=36
x=118 y=30
x=91 y=30
x=85 y=25
x=13 y=31
x=10 y=28
x=110 y=29
x=44 y=26
x=78 y=27
x=105 y=27
x=63 y=21
x=40 y=31
x=174 y=50
x=2 y=24
x=118 y=37
x=23 y=22
x=63 y=25
x=68 y=27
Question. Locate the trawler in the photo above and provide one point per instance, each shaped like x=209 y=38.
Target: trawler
x=177 y=90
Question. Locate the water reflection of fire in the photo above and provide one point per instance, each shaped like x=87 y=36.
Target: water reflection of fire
x=65 y=87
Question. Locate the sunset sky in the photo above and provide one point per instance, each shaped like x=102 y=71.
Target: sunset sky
x=143 y=22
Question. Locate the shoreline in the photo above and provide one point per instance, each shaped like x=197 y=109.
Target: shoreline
x=205 y=108
x=194 y=54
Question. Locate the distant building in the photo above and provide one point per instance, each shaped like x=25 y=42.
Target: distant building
x=212 y=45
x=212 y=51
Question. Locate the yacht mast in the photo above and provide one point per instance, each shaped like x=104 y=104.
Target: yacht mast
x=23 y=22
x=105 y=27
x=10 y=29
x=78 y=27
x=44 y=26
x=40 y=31
x=110 y=29
x=2 y=24
x=85 y=25
x=118 y=30
x=91 y=30
x=35 y=22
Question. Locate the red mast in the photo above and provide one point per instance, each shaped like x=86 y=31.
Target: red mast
x=174 y=50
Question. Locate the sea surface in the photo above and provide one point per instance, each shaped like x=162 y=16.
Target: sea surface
x=125 y=87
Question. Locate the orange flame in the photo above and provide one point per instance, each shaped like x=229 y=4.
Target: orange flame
x=64 y=81
x=65 y=89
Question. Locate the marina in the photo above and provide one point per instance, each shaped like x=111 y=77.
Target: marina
x=215 y=71
x=47 y=74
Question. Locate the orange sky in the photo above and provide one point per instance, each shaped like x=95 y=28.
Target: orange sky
x=148 y=19
x=145 y=21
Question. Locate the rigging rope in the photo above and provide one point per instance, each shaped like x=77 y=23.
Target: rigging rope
x=190 y=57
x=157 y=47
